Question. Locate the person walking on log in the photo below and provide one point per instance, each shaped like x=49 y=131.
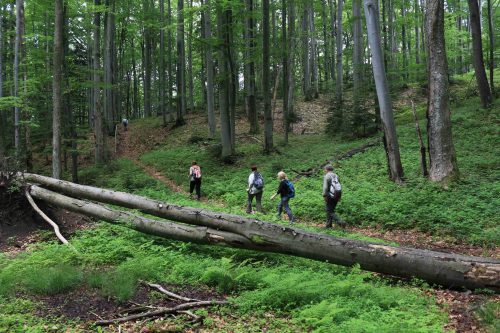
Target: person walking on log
x=255 y=189
x=195 y=180
x=287 y=191
x=332 y=192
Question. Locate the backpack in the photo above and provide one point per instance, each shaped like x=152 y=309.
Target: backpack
x=335 y=186
x=196 y=172
x=291 y=189
x=258 y=181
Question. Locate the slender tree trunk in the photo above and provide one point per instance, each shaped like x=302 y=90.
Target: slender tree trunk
x=491 y=36
x=17 y=55
x=100 y=149
x=190 y=59
x=313 y=54
x=326 y=41
x=170 y=82
x=477 y=55
x=181 y=65
x=3 y=122
x=442 y=156
x=225 y=229
x=207 y=22
x=404 y=41
x=306 y=60
x=147 y=58
x=284 y=62
x=162 y=73
x=268 y=117
x=233 y=76
x=357 y=55
x=384 y=99
x=109 y=61
x=251 y=46
x=290 y=67
x=57 y=90
x=417 y=36
x=224 y=82
x=333 y=39
x=339 y=88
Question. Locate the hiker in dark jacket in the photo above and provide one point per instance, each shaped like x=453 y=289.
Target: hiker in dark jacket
x=332 y=192
x=255 y=189
x=285 y=190
x=195 y=180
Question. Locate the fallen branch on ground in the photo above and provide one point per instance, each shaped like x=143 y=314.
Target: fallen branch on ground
x=47 y=219
x=160 y=312
x=169 y=293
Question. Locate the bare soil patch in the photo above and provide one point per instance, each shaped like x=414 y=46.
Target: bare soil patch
x=19 y=223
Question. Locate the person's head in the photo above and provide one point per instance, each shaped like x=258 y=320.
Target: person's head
x=194 y=163
x=281 y=175
x=328 y=168
x=253 y=167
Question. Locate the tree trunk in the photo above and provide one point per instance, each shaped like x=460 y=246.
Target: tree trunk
x=181 y=65
x=417 y=36
x=224 y=83
x=190 y=58
x=109 y=61
x=333 y=40
x=290 y=66
x=162 y=73
x=100 y=149
x=207 y=22
x=170 y=82
x=268 y=117
x=225 y=229
x=147 y=58
x=306 y=58
x=477 y=55
x=250 y=67
x=357 y=55
x=3 y=123
x=284 y=61
x=384 y=99
x=314 y=53
x=491 y=36
x=326 y=41
x=17 y=55
x=442 y=156
x=338 y=87
x=57 y=90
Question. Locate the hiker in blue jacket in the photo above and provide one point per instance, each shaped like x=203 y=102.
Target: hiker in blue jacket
x=286 y=191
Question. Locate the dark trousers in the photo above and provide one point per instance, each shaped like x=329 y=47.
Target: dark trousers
x=330 y=205
x=196 y=183
x=284 y=205
x=258 y=199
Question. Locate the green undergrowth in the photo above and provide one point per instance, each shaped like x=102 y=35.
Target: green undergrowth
x=302 y=294
x=466 y=209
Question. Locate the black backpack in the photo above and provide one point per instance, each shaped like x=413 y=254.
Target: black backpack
x=258 y=181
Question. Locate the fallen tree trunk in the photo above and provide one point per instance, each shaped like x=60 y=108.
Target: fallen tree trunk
x=442 y=268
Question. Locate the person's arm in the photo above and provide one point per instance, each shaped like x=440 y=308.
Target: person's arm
x=250 y=181
x=325 y=185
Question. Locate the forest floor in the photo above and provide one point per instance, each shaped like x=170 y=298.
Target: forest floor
x=269 y=292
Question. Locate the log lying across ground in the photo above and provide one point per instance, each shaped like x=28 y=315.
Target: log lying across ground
x=449 y=270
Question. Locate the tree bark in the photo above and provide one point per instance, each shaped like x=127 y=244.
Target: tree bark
x=162 y=73
x=333 y=40
x=3 y=122
x=338 y=87
x=181 y=65
x=17 y=56
x=109 y=61
x=225 y=229
x=268 y=117
x=209 y=64
x=477 y=54
x=491 y=36
x=306 y=58
x=57 y=90
x=384 y=99
x=250 y=67
x=190 y=59
x=442 y=156
x=357 y=55
x=100 y=149
x=290 y=67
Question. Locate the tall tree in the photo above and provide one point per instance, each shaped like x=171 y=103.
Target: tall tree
x=209 y=64
x=442 y=156
x=491 y=35
x=477 y=54
x=268 y=117
x=290 y=55
x=162 y=73
x=339 y=42
x=382 y=87
x=331 y=4
x=250 y=67
x=170 y=82
x=3 y=123
x=190 y=58
x=109 y=62
x=100 y=147
x=357 y=54
x=57 y=90
x=224 y=82
x=17 y=55
x=181 y=65
x=148 y=46
x=306 y=56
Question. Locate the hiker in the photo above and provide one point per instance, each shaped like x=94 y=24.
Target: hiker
x=286 y=191
x=195 y=180
x=125 y=123
x=255 y=189
x=332 y=191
